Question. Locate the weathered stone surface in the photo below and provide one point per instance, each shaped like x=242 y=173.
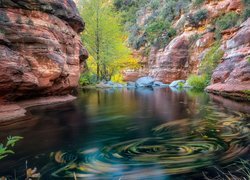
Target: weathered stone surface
x=40 y=50
x=14 y=111
x=145 y=82
x=172 y=63
x=232 y=76
x=131 y=76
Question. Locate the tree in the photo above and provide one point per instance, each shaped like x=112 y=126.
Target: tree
x=103 y=37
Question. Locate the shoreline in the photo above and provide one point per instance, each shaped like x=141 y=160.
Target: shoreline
x=14 y=110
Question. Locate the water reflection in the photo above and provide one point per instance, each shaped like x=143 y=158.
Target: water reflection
x=132 y=134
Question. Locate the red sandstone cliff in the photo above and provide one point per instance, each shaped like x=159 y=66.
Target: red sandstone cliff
x=41 y=52
x=184 y=54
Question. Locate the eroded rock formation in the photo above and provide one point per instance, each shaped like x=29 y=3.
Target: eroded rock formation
x=41 y=52
x=232 y=76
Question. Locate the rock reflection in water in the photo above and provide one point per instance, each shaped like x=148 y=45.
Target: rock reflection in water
x=137 y=133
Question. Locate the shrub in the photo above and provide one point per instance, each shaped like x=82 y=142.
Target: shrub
x=181 y=85
x=198 y=2
x=198 y=83
x=246 y=13
x=88 y=78
x=211 y=60
x=195 y=19
x=224 y=22
x=208 y=64
x=159 y=32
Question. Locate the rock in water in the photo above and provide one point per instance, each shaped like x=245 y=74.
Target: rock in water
x=40 y=48
x=145 y=82
x=175 y=84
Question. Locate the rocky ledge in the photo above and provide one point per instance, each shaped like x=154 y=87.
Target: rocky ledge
x=12 y=111
x=41 y=53
x=232 y=77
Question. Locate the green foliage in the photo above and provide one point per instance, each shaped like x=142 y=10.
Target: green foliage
x=159 y=33
x=207 y=66
x=248 y=60
x=247 y=92
x=246 y=13
x=88 y=78
x=4 y=149
x=198 y=2
x=211 y=60
x=181 y=85
x=198 y=83
x=149 y=22
x=226 y=21
x=197 y=17
x=105 y=41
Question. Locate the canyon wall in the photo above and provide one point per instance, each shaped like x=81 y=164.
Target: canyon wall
x=41 y=53
x=232 y=76
x=185 y=53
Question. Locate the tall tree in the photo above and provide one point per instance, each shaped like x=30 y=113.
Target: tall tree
x=103 y=36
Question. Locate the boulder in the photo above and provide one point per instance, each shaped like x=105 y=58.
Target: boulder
x=145 y=82
x=131 y=84
x=158 y=83
x=175 y=84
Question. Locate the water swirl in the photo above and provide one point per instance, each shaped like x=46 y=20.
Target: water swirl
x=175 y=147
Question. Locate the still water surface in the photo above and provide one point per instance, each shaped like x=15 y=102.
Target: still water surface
x=133 y=134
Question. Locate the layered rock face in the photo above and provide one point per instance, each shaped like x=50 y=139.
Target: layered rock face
x=172 y=63
x=184 y=53
x=41 y=52
x=232 y=76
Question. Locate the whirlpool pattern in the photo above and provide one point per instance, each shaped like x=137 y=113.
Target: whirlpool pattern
x=176 y=147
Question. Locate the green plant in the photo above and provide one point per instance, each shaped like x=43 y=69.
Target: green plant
x=194 y=19
x=198 y=83
x=246 y=13
x=198 y=2
x=4 y=149
x=88 y=78
x=159 y=33
x=181 y=85
x=226 y=21
x=211 y=60
x=246 y=92
x=248 y=60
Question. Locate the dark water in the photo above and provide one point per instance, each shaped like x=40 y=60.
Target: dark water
x=133 y=134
